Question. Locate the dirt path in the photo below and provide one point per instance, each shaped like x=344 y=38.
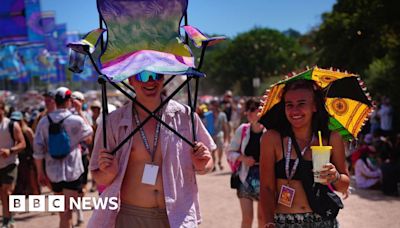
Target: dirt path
x=363 y=209
x=220 y=208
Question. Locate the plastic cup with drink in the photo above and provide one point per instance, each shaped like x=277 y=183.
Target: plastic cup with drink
x=320 y=157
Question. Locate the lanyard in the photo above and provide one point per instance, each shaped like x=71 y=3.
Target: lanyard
x=289 y=175
x=144 y=138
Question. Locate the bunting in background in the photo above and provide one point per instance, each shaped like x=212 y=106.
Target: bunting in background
x=30 y=58
x=34 y=21
x=31 y=43
x=11 y=66
x=88 y=74
x=12 y=21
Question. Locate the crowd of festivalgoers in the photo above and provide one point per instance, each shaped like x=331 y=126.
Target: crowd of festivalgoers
x=25 y=167
x=373 y=159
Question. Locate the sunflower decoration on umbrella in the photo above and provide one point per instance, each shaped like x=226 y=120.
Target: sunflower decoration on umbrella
x=346 y=100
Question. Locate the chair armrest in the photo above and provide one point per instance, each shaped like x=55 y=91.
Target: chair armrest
x=88 y=43
x=80 y=49
x=199 y=39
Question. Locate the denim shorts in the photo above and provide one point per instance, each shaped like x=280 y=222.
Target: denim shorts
x=252 y=189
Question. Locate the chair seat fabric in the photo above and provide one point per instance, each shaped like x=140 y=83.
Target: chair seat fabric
x=146 y=60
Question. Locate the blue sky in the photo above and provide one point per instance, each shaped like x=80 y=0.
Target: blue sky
x=227 y=17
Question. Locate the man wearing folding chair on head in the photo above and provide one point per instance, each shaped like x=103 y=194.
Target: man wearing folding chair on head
x=154 y=173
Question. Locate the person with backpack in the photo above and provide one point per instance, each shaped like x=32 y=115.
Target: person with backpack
x=57 y=142
x=49 y=105
x=244 y=151
x=11 y=143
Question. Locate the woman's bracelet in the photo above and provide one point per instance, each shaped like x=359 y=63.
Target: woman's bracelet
x=337 y=178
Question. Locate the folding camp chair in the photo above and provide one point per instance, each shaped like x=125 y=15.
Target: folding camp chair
x=142 y=36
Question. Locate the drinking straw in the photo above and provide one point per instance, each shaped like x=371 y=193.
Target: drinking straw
x=320 y=138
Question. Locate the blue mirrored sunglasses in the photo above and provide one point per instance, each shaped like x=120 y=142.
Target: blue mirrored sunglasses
x=144 y=76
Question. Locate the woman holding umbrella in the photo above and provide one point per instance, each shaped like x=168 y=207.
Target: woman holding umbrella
x=296 y=119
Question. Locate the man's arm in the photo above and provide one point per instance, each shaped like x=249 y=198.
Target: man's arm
x=103 y=166
x=78 y=108
x=86 y=132
x=19 y=142
x=88 y=141
x=41 y=175
x=39 y=152
x=201 y=158
x=201 y=155
x=108 y=168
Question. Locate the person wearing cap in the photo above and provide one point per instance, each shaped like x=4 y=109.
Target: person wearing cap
x=95 y=109
x=11 y=143
x=154 y=173
x=63 y=173
x=50 y=106
x=78 y=100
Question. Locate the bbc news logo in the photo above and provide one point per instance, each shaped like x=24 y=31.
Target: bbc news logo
x=56 y=203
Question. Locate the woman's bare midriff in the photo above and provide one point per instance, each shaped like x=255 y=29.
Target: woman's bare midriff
x=300 y=202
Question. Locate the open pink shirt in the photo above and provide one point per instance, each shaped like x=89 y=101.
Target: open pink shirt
x=179 y=179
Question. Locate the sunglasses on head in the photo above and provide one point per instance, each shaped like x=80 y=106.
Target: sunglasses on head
x=145 y=76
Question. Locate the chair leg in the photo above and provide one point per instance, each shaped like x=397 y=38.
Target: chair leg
x=152 y=114
x=191 y=111
x=104 y=104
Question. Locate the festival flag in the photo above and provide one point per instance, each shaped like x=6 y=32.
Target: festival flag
x=29 y=55
x=61 y=39
x=12 y=21
x=34 y=21
x=11 y=66
x=88 y=74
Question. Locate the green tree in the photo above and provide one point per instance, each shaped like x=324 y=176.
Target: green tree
x=259 y=53
x=363 y=36
x=355 y=33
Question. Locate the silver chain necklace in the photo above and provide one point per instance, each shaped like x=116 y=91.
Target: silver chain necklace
x=143 y=135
